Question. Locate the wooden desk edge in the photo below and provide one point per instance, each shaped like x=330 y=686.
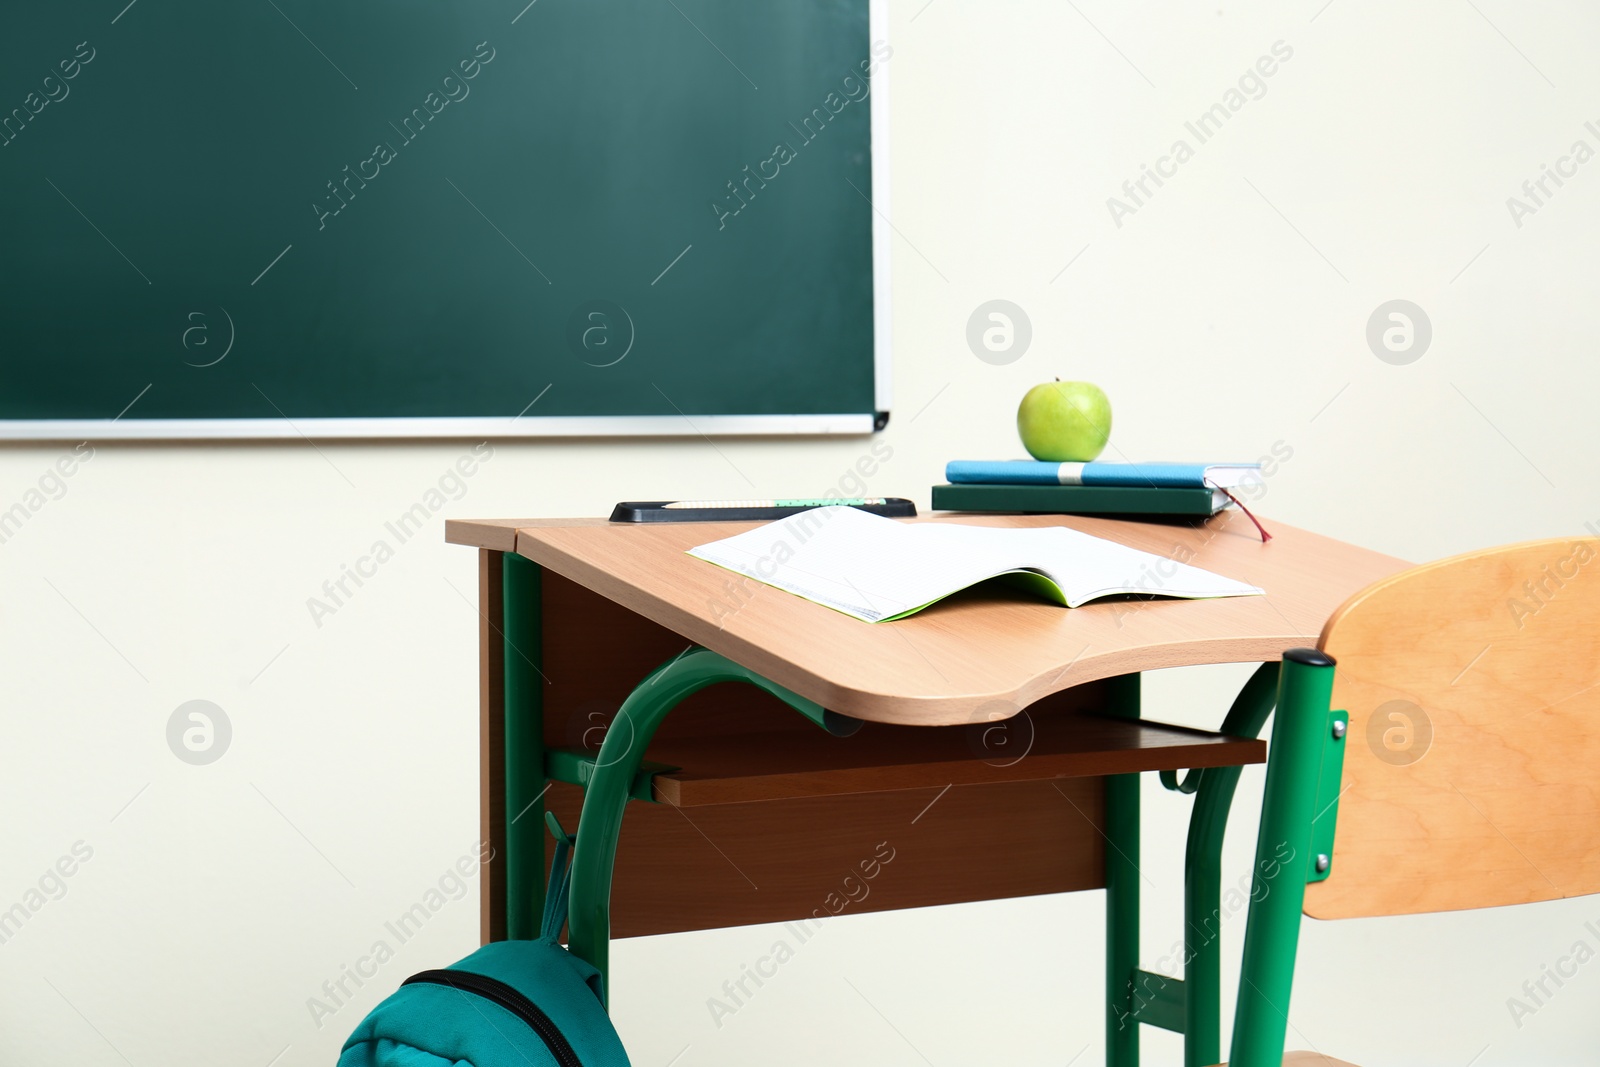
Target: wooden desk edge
x=502 y=535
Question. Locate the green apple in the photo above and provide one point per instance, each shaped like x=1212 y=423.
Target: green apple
x=1064 y=422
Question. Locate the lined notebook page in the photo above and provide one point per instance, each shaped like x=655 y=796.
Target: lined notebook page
x=877 y=569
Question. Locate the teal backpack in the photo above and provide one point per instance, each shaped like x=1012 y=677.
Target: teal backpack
x=509 y=1004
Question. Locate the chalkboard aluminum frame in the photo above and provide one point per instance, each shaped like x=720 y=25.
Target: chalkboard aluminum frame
x=501 y=427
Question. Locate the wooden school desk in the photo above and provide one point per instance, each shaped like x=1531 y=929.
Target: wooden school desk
x=1026 y=783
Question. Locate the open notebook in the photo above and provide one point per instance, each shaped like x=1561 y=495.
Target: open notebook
x=877 y=569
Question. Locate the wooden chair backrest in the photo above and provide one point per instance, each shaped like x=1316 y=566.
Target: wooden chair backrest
x=1472 y=762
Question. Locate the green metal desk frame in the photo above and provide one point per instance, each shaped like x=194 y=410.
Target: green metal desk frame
x=1134 y=997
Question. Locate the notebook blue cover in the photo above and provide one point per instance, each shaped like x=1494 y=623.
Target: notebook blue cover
x=1138 y=475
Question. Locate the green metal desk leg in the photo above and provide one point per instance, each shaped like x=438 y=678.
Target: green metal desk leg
x=1122 y=893
x=1283 y=858
x=524 y=746
x=1202 y=877
x=600 y=824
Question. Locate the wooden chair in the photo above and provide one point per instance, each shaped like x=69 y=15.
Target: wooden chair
x=1459 y=774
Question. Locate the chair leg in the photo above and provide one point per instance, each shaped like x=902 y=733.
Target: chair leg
x=1283 y=859
x=1202 y=877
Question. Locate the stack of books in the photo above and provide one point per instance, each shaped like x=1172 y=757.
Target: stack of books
x=1182 y=489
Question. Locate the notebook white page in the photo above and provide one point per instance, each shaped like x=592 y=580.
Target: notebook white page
x=877 y=569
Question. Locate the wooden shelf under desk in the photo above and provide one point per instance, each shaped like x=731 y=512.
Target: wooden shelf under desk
x=791 y=765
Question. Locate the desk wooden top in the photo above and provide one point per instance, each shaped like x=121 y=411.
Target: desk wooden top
x=980 y=655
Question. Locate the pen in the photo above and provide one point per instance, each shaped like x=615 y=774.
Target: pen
x=859 y=501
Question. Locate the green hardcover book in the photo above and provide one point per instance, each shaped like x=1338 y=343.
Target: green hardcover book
x=1079 y=499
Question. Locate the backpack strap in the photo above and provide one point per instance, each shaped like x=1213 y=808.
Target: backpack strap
x=555 y=897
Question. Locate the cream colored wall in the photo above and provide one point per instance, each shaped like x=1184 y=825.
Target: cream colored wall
x=1225 y=315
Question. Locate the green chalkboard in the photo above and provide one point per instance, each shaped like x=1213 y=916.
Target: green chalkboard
x=263 y=216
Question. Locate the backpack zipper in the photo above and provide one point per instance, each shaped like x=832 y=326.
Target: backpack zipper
x=511 y=1000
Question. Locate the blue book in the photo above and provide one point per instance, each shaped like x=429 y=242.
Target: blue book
x=1130 y=475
